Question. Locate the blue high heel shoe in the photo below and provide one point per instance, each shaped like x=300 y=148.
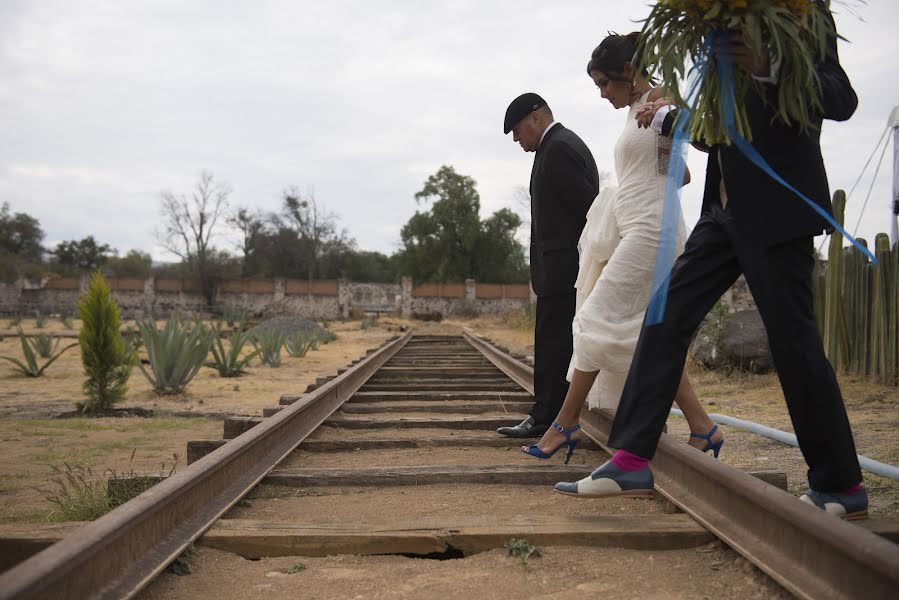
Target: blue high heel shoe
x=714 y=447
x=534 y=449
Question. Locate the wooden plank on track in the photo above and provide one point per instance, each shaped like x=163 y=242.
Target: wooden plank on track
x=257 y=539
x=536 y=474
x=20 y=541
x=429 y=395
x=485 y=423
x=448 y=406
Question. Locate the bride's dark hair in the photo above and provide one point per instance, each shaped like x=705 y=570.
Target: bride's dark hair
x=611 y=55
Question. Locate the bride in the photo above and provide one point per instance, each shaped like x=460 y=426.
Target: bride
x=618 y=248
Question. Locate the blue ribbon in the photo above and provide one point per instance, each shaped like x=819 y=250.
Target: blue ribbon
x=671 y=211
x=677 y=164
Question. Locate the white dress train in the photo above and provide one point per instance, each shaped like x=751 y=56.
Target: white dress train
x=617 y=259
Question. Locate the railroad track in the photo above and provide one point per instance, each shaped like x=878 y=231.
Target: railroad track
x=416 y=412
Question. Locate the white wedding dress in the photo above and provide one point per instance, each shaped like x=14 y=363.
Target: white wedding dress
x=617 y=259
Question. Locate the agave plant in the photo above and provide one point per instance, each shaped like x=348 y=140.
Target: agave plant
x=30 y=367
x=43 y=344
x=175 y=354
x=235 y=314
x=326 y=336
x=228 y=362
x=268 y=343
x=298 y=344
x=40 y=321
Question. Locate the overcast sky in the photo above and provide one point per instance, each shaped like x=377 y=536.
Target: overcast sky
x=105 y=103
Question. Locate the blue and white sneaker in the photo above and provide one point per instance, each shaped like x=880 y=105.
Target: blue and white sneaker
x=846 y=506
x=607 y=481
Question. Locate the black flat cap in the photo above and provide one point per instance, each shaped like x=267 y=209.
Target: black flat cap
x=521 y=107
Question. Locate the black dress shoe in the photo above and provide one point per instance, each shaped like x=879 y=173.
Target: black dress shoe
x=525 y=429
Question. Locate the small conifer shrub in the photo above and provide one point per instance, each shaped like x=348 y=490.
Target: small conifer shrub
x=106 y=358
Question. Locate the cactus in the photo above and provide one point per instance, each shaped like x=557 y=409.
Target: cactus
x=30 y=367
x=834 y=341
x=268 y=343
x=229 y=363
x=175 y=354
x=43 y=344
x=298 y=344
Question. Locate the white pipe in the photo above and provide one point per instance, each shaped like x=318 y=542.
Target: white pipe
x=866 y=463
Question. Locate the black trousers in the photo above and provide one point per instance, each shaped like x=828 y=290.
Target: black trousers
x=553 y=346
x=780 y=279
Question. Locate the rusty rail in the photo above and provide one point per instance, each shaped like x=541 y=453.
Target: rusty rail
x=119 y=553
x=810 y=553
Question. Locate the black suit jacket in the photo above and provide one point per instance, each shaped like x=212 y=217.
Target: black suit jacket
x=564 y=183
x=764 y=211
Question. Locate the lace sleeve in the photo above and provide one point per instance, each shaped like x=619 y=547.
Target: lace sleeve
x=663 y=150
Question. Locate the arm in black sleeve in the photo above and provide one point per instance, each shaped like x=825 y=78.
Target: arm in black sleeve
x=572 y=178
x=837 y=95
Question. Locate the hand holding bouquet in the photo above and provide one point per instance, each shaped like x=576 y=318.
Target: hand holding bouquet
x=752 y=34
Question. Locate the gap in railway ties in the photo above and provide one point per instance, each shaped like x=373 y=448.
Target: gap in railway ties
x=411 y=466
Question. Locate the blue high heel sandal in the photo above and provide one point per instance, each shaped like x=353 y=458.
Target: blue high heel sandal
x=715 y=448
x=534 y=449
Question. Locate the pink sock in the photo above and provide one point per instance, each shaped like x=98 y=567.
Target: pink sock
x=854 y=489
x=627 y=461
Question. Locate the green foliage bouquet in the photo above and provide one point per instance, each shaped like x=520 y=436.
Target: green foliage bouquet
x=677 y=34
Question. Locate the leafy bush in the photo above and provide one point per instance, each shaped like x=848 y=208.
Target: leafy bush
x=175 y=354
x=43 y=344
x=30 y=367
x=268 y=343
x=229 y=363
x=106 y=358
x=298 y=343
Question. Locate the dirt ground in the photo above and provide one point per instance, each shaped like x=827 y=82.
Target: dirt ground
x=562 y=572
x=209 y=394
x=32 y=441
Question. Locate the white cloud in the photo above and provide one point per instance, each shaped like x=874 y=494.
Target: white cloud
x=105 y=103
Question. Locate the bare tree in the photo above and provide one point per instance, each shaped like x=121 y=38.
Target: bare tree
x=313 y=224
x=250 y=225
x=190 y=222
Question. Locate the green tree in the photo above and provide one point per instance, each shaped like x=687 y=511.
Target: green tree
x=107 y=362
x=81 y=255
x=21 y=235
x=450 y=242
x=133 y=264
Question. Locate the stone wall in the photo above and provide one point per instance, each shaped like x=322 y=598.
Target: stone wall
x=317 y=299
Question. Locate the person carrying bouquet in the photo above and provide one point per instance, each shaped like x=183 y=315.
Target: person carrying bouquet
x=750 y=225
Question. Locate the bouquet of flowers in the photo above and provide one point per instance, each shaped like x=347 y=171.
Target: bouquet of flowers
x=794 y=34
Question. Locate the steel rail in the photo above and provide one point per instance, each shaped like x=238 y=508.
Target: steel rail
x=119 y=553
x=810 y=553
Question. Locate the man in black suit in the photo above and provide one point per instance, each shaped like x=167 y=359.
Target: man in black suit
x=750 y=224
x=564 y=183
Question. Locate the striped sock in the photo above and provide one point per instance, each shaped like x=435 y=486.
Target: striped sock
x=627 y=461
